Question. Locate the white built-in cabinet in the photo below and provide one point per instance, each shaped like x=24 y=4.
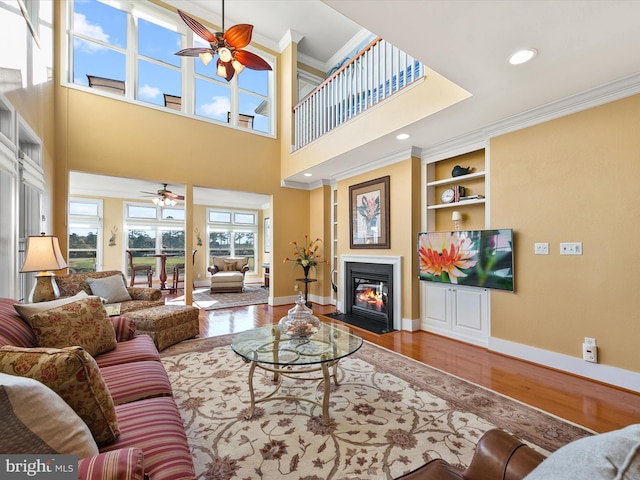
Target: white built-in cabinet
x=457 y=312
x=450 y=310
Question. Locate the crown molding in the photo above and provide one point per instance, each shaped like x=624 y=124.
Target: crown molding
x=595 y=97
x=380 y=163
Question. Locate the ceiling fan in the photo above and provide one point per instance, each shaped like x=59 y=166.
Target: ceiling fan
x=164 y=197
x=227 y=44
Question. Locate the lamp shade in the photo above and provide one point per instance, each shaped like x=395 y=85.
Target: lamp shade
x=43 y=253
x=456 y=216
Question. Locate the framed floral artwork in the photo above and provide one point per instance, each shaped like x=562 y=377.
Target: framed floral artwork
x=369 y=214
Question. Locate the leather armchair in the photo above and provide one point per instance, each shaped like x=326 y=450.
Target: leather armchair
x=498 y=456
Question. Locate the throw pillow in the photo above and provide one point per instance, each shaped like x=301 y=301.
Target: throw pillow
x=112 y=288
x=84 y=323
x=614 y=455
x=229 y=266
x=35 y=420
x=74 y=375
x=28 y=310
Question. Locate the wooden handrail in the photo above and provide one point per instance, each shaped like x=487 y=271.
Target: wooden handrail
x=369 y=46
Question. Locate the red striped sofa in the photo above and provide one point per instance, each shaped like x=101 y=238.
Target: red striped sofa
x=152 y=442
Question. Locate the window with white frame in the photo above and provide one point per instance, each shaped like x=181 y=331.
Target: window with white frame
x=128 y=49
x=85 y=234
x=233 y=233
x=151 y=230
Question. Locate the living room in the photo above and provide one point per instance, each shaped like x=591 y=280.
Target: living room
x=530 y=168
x=561 y=173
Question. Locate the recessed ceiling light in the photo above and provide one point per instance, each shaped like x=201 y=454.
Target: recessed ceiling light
x=403 y=136
x=308 y=174
x=522 y=56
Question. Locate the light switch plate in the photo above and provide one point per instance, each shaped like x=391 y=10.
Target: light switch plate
x=541 y=248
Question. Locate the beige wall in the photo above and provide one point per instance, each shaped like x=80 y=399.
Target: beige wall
x=572 y=180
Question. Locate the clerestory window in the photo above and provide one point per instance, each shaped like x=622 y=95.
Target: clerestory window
x=127 y=49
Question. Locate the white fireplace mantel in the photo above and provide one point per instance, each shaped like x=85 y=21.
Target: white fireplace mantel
x=396 y=262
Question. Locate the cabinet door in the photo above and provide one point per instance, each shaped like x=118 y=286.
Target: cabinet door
x=471 y=310
x=436 y=305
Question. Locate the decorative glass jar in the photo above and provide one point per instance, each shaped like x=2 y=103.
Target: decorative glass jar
x=300 y=323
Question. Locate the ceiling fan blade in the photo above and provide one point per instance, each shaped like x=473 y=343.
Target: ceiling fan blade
x=251 y=60
x=173 y=195
x=150 y=193
x=194 y=52
x=239 y=36
x=200 y=30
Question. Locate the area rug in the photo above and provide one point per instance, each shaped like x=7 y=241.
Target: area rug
x=203 y=299
x=389 y=415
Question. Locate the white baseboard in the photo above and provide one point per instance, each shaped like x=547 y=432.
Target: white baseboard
x=602 y=373
x=411 y=325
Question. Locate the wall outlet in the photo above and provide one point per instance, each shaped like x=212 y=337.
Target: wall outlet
x=571 y=248
x=590 y=341
x=541 y=248
x=590 y=353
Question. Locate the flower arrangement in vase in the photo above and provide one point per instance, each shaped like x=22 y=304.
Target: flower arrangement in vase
x=306 y=255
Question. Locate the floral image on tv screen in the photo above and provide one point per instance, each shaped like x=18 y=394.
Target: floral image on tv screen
x=478 y=258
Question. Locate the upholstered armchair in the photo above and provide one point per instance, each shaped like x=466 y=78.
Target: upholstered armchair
x=227 y=274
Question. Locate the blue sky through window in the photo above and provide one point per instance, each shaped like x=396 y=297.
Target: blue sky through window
x=101 y=46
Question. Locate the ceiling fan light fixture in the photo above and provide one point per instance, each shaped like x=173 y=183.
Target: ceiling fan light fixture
x=206 y=58
x=225 y=54
x=222 y=70
x=237 y=66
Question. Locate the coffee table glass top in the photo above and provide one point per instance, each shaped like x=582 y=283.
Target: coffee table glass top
x=268 y=345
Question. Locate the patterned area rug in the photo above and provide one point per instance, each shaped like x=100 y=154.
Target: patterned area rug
x=389 y=415
x=252 y=295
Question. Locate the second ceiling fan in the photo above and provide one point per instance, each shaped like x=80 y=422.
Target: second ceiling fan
x=164 y=197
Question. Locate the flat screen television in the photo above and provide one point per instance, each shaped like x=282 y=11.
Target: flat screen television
x=477 y=258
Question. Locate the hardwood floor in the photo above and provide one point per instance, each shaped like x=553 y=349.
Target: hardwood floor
x=587 y=403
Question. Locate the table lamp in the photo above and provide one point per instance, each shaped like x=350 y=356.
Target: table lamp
x=456 y=216
x=43 y=255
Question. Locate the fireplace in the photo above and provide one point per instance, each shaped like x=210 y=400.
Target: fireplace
x=369 y=294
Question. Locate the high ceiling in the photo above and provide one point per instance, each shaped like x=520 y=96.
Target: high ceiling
x=588 y=52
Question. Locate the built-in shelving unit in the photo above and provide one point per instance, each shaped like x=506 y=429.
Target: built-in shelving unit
x=458 y=312
x=439 y=177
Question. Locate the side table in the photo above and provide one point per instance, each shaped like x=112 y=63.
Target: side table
x=306 y=282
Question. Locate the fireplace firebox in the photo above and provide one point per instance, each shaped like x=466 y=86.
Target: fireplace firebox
x=369 y=293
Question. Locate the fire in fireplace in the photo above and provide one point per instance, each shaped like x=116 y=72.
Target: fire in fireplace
x=371 y=296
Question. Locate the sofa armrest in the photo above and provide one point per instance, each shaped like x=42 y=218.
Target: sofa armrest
x=125 y=328
x=115 y=465
x=144 y=293
x=213 y=270
x=501 y=455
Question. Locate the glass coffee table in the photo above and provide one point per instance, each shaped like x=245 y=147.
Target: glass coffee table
x=270 y=350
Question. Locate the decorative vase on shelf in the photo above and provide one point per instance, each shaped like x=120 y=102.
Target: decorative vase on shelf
x=300 y=323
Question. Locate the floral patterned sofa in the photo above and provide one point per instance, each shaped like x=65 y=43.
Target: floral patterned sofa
x=72 y=283
x=109 y=401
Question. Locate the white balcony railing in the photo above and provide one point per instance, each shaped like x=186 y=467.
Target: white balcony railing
x=376 y=73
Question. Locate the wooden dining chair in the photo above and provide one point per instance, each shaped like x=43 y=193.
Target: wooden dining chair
x=139 y=268
x=177 y=270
